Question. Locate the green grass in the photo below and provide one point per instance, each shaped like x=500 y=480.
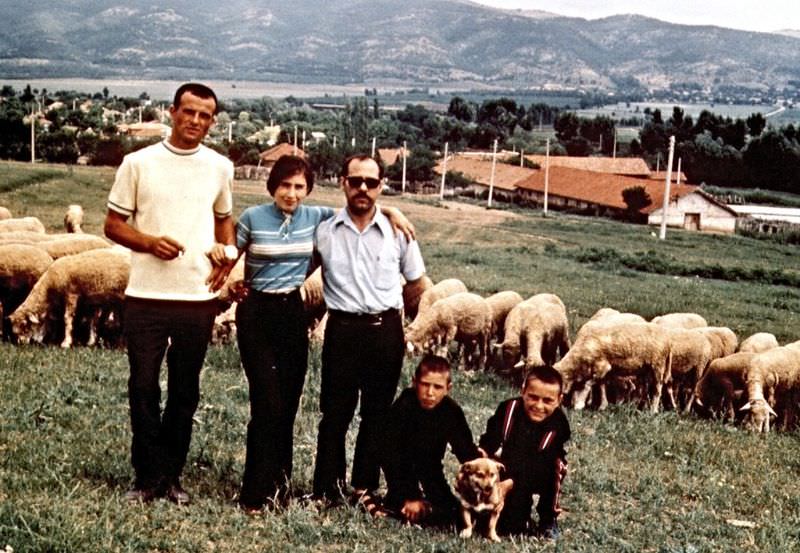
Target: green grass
x=637 y=482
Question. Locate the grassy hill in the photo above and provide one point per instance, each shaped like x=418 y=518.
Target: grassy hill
x=637 y=482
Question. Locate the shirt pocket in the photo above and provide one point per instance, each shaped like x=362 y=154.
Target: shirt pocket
x=387 y=272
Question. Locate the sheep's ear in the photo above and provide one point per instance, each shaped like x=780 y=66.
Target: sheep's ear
x=409 y=347
x=745 y=407
x=698 y=402
x=770 y=410
x=520 y=364
x=34 y=318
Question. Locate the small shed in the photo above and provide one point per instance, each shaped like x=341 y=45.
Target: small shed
x=696 y=210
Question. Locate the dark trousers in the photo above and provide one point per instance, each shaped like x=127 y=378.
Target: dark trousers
x=181 y=329
x=435 y=490
x=361 y=355
x=516 y=515
x=273 y=343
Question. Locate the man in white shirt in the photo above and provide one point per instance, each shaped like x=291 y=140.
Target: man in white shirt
x=362 y=264
x=170 y=203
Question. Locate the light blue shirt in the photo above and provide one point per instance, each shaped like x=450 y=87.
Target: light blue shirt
x=361 y=270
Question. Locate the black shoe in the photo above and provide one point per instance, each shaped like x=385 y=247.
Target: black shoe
x=140 y=495
x=177 y=494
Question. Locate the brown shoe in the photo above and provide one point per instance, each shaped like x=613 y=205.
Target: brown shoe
x=177 y=494
x=140 y=495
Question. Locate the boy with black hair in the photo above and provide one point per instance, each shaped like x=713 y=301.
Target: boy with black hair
x=421 y=422
x=527 y=434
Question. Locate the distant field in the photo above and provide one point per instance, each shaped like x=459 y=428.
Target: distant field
x=622 y=110
x=637 y=482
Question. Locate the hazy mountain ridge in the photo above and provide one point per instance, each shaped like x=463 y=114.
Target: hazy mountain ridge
x=424 y=41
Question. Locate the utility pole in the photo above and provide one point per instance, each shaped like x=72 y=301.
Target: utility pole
x=373 y=147
x=491 y=179
x=522 y=158
x=294 y=149
x=614 y=155
x=33 y=136
x=663 y=234
x=403 y=189
x=546 y=173
x=444 y=172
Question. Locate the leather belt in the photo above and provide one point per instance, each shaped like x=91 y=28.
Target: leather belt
x=371 y=319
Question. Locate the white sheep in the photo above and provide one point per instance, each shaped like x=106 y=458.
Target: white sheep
x=723 y=340
x=680 y=320
x=21 y=265
x=608 y=316
x=73 y=219
x=772 y=381
x=72 y=244
x=464 y=317
x=536 y=333
x=31 y=224
x=724 y=380
x=441 y=289
x=758 y=342
x=641 y=349
x=4 y=213
x=502 y=303
x=96 y=278
x=412 y=293
x=691 y=353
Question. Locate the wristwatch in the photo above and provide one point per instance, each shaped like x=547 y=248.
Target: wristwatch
x=231 y=252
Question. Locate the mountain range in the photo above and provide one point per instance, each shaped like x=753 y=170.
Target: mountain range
x=382 y=41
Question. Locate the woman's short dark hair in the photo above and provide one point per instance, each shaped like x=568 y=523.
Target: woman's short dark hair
x=285 y=167
x=199 y=90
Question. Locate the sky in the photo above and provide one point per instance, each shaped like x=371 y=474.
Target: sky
x=748 y=15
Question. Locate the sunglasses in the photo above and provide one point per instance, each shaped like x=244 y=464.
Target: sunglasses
x=356 y=182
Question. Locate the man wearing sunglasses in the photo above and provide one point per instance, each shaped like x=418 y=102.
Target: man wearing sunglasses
x=362 y=263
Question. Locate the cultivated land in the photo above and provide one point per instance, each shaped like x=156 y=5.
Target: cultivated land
x=637 y=482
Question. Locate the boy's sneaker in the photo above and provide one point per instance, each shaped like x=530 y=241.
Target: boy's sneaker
x=548 y=531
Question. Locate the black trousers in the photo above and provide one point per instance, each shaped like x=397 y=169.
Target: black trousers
x=181 y=329
x=273 y=343
x=361 y=356
x=516 y=515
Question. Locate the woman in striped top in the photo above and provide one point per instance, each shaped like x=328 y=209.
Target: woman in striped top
x=272 y=328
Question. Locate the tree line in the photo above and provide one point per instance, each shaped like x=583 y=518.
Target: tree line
x=713 y=149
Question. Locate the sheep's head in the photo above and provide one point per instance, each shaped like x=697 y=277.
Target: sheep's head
x=759 y=414
x=510 y=355
x=27 y=327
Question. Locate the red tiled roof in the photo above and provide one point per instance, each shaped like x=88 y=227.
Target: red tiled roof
x=617 y=166
x=282 y=149
x=390 y=155
x=599 y=188
x=480 y=171
x=662 y=175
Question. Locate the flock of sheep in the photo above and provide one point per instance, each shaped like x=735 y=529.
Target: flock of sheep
x=70 y=286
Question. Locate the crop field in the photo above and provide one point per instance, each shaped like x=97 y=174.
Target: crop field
x=637 y=482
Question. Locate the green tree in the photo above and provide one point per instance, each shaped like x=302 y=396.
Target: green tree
x=461 y=109
x=636 y=198
x=566 y=125
x=755 y=124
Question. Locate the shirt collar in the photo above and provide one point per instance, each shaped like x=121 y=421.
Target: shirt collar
x=378 y=219
x=179 y=151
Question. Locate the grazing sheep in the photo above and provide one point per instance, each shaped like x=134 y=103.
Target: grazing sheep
x=442 y=289
x=21 y=265
x=95 y=278
x=4 y=213
x=73 y=244
x=464 y=317
x=691 y=353
x=536 y=333
x=607 y=316
x=680 y=320
x=758 y=342
x=73 y=219
x=502 y=303
x=30 y=224
x=224 y=329
x=28 y=237
x=724 y=380
x=412 y=293
x=773 y=379
x=723 y=340
x=641 y=349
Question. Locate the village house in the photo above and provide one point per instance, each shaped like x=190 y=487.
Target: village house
x=696 y=210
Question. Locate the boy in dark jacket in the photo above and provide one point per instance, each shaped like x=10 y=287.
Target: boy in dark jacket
x=421 y=422
x=527 y=434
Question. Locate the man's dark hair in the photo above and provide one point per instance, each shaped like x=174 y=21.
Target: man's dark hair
x=285 y=167
x=545 y=373
x=432 y=364
x=199 y=90
x=360 y=157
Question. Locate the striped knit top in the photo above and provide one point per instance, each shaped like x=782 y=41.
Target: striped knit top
x=278 y=246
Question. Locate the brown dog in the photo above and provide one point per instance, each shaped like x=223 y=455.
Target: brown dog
x=481 y=491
